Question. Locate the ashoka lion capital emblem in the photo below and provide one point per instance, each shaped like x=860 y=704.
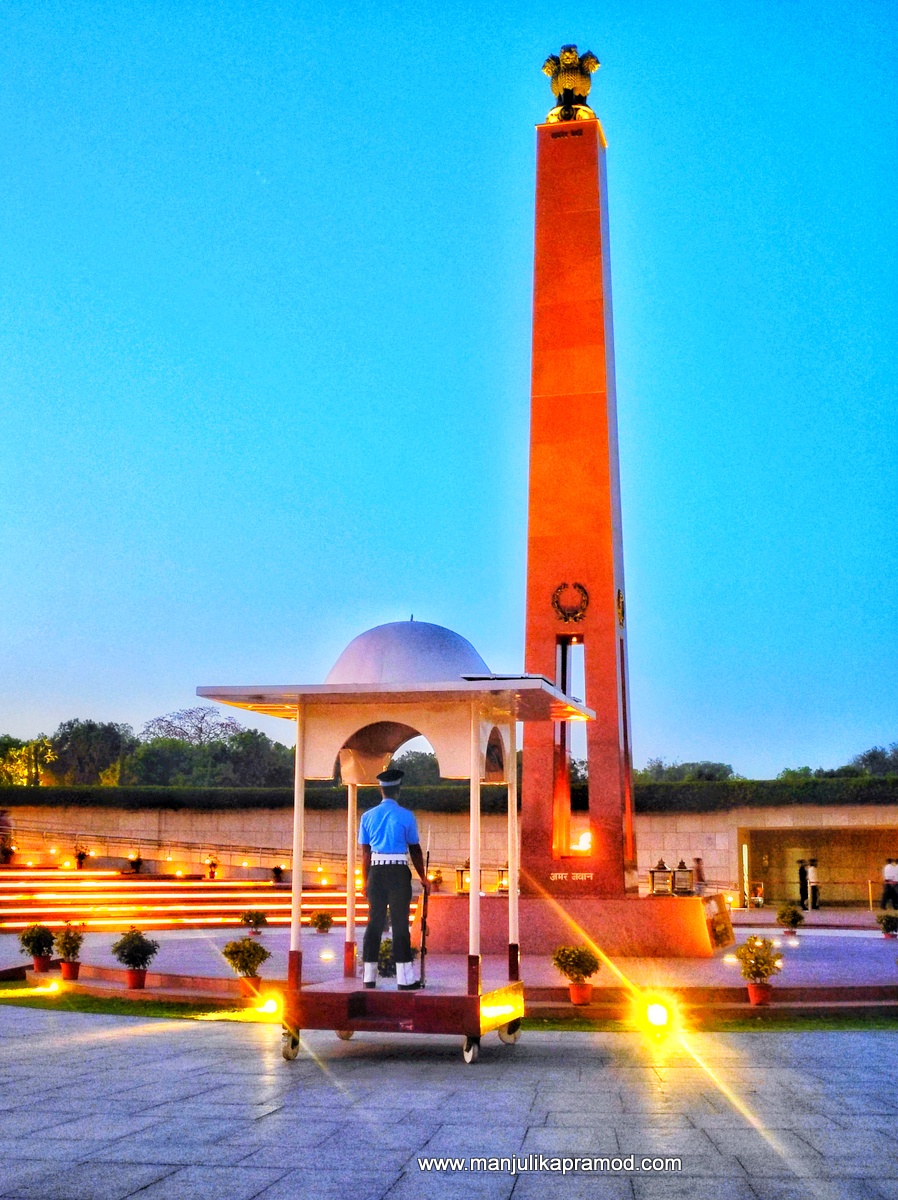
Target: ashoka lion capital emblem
x=571 y=76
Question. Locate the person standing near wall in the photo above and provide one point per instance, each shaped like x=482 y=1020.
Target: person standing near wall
x=698 y=877
x=813 y=883
x=803 y=883
x=889 y=884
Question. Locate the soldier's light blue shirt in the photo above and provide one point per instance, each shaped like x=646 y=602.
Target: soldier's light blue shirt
x=388 y=829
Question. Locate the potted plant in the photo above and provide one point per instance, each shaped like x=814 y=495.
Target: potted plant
x=81 y=856
x=37 y=940
x=68 y=947
x=321 y=922
x=578 y=964
x=277 y=874
x=254 y=919
x=386 y=963
x=135 y=952
x=790 y=916
x=759 y=960
x=888 y=923
x=435 y=879
x=212 y=864
x=246 y=956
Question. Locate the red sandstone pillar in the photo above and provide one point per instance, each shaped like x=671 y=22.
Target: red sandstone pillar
x=575 y=577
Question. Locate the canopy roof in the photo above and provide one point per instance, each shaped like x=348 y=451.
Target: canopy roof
x=523 y=697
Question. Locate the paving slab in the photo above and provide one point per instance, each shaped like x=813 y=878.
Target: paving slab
x=163 y=1108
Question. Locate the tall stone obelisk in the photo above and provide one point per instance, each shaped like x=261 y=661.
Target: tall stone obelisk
x=575 y=570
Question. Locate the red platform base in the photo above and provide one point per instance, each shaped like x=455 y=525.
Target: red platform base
x=654 y=927
x=344 y=1007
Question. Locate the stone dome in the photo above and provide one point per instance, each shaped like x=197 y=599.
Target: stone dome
x=407 y=652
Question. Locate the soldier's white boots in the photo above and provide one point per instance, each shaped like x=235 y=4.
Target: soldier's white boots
x=370 y=974
x=405 y=976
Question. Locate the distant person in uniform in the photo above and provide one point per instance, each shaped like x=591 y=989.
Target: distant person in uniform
x=698 y=877
x=813 y=883
x=803 y=883
x=388 y=836
x=890 y=884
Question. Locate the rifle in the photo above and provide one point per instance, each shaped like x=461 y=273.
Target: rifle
x=424 y=922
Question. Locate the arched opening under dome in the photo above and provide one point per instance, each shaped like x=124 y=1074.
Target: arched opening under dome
x=370 y=749
x=494 y=765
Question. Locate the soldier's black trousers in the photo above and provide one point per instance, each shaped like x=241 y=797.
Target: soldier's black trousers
x=388 y=887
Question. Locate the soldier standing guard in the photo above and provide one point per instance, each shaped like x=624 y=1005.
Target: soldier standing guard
x=388 y=836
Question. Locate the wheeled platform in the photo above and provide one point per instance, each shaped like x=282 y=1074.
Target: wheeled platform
x=352 y=1009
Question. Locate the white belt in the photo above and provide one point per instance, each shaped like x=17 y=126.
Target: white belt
x=388 y=860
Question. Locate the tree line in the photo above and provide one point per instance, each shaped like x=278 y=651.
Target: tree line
x=196 y=747
x=201 y=747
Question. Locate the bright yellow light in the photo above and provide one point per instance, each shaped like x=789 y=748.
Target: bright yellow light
x=244 y=863
x=657 y=1015
x=131 y=856
x=91 y=854
x=326 y=955
x=730 y=958
x=269 y=1006
x=729 y=899
x=179 y=874
x=319 y=868
x=585 y=842
x=168 y=857
x=324 y=882
x=283 y=866
x=66 y=865
x=491 y=1011
x=29 y=863
x=29 y=991
x=52 y=849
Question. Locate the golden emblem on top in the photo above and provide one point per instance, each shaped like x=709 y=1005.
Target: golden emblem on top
x=571 y=75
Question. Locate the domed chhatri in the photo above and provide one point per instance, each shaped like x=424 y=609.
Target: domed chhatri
x=407 y=652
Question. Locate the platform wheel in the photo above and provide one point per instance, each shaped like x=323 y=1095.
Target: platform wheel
x=509 y=1033
x=344 y=1035
x=290 y=1044
x=471 y=1049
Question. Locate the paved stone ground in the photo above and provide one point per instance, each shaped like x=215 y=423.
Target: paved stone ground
x=102 y=1108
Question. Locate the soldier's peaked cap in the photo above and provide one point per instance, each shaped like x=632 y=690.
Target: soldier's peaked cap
x=390 y=778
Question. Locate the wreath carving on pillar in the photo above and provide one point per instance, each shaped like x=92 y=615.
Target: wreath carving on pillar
x=570 y=612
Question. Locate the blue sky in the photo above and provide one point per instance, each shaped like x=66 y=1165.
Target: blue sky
x=265 y=283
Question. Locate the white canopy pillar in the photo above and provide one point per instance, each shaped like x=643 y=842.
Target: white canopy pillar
x=514 y=855
x=474 y=889
x=352 y=796
x=294 y=958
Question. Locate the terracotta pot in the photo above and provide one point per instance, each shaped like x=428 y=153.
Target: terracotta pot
x=69 y=969
x=249 y=985
x=790 y=933
x=136 y=977
x=759 y=993
x=42 y=962
x=889 y=935
x=581 y=993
